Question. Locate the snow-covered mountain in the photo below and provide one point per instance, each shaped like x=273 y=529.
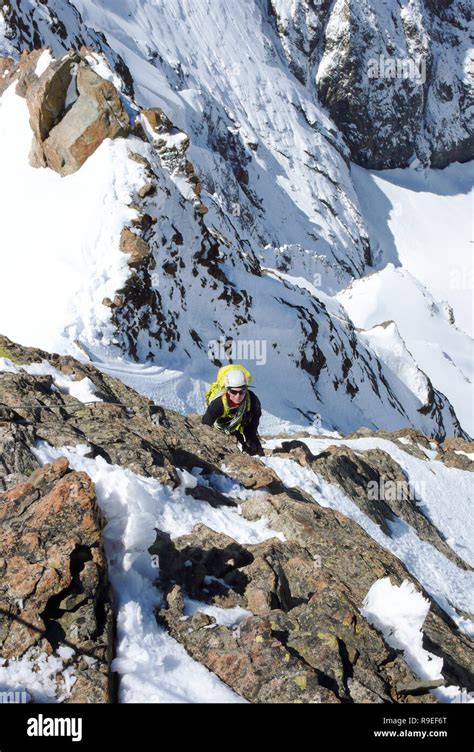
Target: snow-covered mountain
x=281 y=183
x=227 y=208
x=397 y=78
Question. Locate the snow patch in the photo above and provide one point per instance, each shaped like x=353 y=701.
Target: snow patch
x=44 y=60
x=45 y=678
x=399 y=613
x=82 y=390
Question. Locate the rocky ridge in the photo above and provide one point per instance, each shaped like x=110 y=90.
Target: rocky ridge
x=304 y=640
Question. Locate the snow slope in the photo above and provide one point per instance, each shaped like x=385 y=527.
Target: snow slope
x=273 y=165
x=421 y=230
x=422 y=220
x=60 y=238
x=275 y=177
x=72 y=258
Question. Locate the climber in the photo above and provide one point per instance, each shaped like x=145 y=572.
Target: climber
x=233 y=408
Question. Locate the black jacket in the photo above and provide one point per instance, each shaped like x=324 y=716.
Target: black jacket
x=251 y=418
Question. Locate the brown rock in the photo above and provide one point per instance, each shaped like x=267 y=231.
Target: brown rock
x=454 y=453
x=250 y=472
x=157 y=119
x=96 y=114
x=54 y=578
x=67 y=133
x=136 y=248
x=26 y=71
x=147 y=189
x=201 y=208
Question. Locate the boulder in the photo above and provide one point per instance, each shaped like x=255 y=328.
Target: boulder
x=96 y=114
x=72 y=110
x=134 y=246
x=54 y=591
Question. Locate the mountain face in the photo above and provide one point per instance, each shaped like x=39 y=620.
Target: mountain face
x=279 y=183
x=179 y=264
x=147 y=560
x=231 y=216
x=395 y=77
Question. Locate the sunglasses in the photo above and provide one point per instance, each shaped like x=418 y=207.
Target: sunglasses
x=237 y=391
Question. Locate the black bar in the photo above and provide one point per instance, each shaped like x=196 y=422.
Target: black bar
x=424 y=727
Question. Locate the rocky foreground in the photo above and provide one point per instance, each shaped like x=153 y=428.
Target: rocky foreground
x=305 y=640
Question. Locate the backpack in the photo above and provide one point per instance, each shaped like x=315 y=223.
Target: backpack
x=217 y=388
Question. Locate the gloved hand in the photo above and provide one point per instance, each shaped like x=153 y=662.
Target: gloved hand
x=253 y=447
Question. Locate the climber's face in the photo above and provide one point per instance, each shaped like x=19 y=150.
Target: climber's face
x=237 y=394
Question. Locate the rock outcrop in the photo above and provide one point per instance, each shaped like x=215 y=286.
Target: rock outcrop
x=54 y=590
x=7 y=71
x=72 y=110
x=354 y=473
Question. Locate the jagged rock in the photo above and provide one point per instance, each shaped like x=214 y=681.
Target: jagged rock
x=384 y=75
x=147 y=189
x=135 y=247
x=376 y=483
x=46 y=98
x=157 y=119
x=26 y=72
x=143 y=222
x=54 y=589
x=16 y=458
x=201 y=208
x=96 y=114
x=454 y=453
x=72 y=110
x=305 y=640
x=251 y=474
x=251 y=660
x=416 y=437
x=351 y=561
